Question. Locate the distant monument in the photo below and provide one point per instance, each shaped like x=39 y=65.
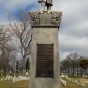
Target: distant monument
x=45 y=65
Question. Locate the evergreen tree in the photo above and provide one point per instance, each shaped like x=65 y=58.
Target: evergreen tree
x=27 y=65
x=17 y=66
x=84 y=63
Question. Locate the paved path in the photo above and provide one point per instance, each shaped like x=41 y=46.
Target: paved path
x=84 y=80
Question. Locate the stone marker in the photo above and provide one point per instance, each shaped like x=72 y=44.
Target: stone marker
x=14 y=79
x=62 y=75
x=26 y=73
x=45 y=67
x=1 y=79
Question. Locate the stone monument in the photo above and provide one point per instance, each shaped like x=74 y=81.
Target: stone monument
x=45 y=67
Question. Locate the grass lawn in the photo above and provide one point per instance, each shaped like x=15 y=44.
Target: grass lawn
x=10 y=84
x=25 y=84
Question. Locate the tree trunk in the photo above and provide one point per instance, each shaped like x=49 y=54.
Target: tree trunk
x=73 y=68
x=68 y=71
x=77 y=70
x=23 y=66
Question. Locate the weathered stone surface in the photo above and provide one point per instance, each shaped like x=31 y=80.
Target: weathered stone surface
x=52 y=19
x=34 y=18
x=45 y=31
x=44 y=36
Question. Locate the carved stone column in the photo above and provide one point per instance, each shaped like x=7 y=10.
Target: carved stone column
x=45 y=66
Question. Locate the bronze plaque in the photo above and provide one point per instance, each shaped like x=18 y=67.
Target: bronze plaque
x=44 y=63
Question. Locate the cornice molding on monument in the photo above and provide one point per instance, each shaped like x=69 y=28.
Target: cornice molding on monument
x=34 y=18
x=55 y=18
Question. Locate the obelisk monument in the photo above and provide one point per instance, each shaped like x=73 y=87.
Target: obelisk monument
x=45 y=65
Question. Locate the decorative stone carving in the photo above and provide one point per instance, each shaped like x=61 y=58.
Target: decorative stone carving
x=56 y=18
x=45 y=19
x=34 y=18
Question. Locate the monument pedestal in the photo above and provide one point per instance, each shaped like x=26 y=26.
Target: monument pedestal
x=45 y=66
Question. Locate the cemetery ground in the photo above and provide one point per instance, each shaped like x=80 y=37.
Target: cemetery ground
x=26 y=83
x=74 y=85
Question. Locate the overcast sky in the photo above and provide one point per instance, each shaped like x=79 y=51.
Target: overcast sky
x=73 y=32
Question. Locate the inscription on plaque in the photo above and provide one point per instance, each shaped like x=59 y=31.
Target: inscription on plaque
x=44 y=63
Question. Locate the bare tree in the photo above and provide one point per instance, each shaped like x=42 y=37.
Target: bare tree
x=1 y=33
x=22 y=31
x=71 y=64
x=65 y=65
x=5 y=37
x=73 y=57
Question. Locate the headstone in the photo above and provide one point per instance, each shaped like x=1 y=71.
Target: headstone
x=8 y=77
x=62 y=75
x=14 y=79
x=63 y=82
x=11 y=77
x=72 y=80
x=1 y=79
x=26 y=73
x=21 y=78
x=27 y=78
x=10 y=71
x=14 y=76
x=45 y=67
x=5 y=79
x=66 y=76
x=83 y=84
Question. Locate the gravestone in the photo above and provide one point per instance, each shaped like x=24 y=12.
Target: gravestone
x=45 y=65
x=26 y=73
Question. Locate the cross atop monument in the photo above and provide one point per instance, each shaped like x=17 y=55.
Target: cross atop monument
x=47 y=3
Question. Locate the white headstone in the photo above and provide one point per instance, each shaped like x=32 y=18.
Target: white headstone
x=1 y=79
x=27 y=73
x=14 y=79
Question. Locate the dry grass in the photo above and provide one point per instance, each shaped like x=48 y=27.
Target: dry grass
x=83 y=79
x=10 y=84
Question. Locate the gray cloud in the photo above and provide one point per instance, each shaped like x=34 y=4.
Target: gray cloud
x=73 y=33
x=16 y=4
